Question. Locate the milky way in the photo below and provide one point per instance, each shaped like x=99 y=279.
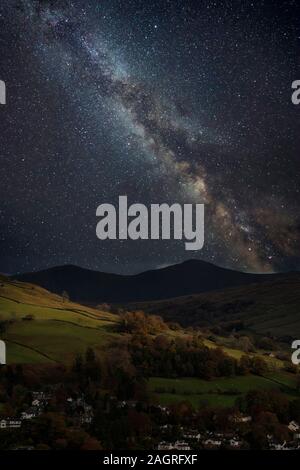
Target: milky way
x=164 y=102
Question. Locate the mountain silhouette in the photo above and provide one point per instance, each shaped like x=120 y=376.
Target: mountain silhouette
x=190 y=277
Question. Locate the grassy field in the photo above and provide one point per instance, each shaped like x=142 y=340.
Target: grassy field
x=221 y=391
x=19 y=354
x=55 y=339
x=59 y=328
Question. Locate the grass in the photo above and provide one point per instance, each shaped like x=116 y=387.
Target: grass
x=55 y=339
x=19 y=354
x=59 y=330
x=220 y=391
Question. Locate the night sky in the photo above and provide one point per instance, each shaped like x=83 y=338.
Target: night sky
x=162 y=101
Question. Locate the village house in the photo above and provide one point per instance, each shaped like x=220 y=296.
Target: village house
x=165 y=446
x=238 y=418
x=235 y=443
x=192 y=434
x=30 y=414
x=293 y=426
x=181 y=445
x=178 y=445
x=211 y=443
x=87 y=415
x=42 y=396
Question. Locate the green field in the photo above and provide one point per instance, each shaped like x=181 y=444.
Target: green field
x=19 y=354
x=59 y=328
x=221 y=391
x=54 y=339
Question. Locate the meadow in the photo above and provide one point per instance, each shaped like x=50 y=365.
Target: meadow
x=44 y=327
x=220 y=391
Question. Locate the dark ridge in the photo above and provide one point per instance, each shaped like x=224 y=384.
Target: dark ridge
x=190 y=277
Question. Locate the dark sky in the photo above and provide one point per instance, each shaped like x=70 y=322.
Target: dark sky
x=164 y=101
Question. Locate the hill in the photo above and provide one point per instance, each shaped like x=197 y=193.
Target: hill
x=92 y=287
x=40 y=326
x=270 y=307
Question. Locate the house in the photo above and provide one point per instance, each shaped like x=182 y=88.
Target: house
x=181 y=445
x=165 y=446
x=36 y=403
x=29 y=414
x=239 y=418
x=178 y=445
x=192 y=434
x=212 y=443
x=294 y=426
x=235 y=443
x=86 y=417
x=163 y=409
x=280 y=446
x=165 y=427
x=42 y=396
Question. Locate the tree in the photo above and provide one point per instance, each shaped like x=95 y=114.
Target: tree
x=92 y=366
x=90 y=356
x=259 y=366
x=65 y=296
x=245 y=344
x=295 y=410
x=245 y=365
x=78 y=364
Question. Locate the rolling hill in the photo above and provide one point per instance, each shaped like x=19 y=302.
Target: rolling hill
x=41 y=326
x=269 y=307
x=92 y=287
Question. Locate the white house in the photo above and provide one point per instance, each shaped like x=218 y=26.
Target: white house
x=165 y=446
x=239 y=418
x=293 y=426
x=181 y=445
x=28 y=415
x=178 y=445
x=212 y=443
x=192 y=434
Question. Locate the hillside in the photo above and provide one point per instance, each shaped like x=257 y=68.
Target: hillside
x=42 y=327
x=272 y=306
x=92 y=287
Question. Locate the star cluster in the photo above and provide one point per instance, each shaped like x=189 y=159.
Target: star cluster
x=162 y=101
